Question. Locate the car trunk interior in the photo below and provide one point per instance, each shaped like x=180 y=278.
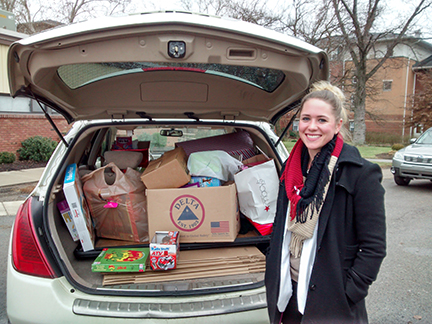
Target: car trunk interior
x=87 y=151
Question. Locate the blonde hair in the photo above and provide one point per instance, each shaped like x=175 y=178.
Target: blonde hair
x=333 y=96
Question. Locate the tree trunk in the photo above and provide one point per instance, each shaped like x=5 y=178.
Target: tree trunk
x=359 y=135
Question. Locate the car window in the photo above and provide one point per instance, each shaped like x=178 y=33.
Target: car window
x=162 y=143
x=425 y=138
x=78 y=75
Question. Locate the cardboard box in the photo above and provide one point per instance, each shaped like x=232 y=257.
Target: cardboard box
x=196 y=264
x=121 y=260
x=255 y=160
x=164 y=249
x=74 y=195
x=200 y=214
x=67 y=216
x=169 y=171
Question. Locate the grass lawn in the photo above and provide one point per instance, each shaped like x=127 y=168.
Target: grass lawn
x=367 y=151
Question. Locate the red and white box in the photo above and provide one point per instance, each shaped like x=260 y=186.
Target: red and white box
x=164 y=249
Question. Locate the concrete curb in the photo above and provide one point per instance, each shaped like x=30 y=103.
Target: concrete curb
x=10 y=208
x=11 y=178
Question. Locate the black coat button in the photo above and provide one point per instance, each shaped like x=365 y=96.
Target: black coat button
x=312 y=287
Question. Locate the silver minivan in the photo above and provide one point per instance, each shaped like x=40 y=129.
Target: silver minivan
x=171 y=75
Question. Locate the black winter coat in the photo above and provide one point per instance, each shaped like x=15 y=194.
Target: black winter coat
x=351 y=244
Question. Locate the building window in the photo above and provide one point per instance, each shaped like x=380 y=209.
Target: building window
x=387 y=85
x=295 y=126
x=21 y=105
x=351 y=126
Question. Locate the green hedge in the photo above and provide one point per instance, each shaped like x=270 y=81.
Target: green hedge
x=7 y=157
x=37 y=148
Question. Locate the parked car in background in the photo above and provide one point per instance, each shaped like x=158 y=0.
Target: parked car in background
x=414 y=161
x=162 y=78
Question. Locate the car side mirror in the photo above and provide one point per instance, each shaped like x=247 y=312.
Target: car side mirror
x=412 y=140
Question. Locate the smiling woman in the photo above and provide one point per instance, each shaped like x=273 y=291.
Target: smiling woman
x=328 y=240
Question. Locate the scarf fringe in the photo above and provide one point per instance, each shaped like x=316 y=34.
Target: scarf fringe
x=303 y=221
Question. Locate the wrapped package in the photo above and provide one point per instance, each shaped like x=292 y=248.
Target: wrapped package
x=119 y=209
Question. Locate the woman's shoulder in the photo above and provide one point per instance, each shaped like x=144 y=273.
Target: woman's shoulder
x=354 y=166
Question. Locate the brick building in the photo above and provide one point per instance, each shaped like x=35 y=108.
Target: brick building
x=391 y=88
x=20 y=118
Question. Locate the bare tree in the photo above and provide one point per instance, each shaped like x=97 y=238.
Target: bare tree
x=8 y=5
x=35 y=15
x=70 y=11
x=254 y=11
x=357 y=22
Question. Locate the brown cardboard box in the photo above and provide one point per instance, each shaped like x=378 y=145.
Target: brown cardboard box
x=200 y=214
x=195 y=264
x=169 y=171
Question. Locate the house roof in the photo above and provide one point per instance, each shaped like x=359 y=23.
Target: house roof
x=7 y=37
x=423 y=65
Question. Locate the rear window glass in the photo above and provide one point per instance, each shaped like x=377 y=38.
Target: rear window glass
x=78 y=75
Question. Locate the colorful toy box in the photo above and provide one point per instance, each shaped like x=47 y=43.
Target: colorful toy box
x=164 y=249
x=67 y=216
x=72 y=188
x=121 y=260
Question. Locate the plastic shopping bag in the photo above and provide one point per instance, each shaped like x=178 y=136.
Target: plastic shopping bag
x=118 y=210
x=214 y=164
x=257 y=188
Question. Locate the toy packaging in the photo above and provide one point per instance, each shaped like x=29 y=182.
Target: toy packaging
x=74 y=195
x=122 y=143
x=121 y=260
x=205 y=181
x=67 y=216
x=164 y=249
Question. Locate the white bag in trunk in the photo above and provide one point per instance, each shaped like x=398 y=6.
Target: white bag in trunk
x=257 y=188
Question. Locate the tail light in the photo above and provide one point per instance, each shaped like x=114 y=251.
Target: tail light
x=27 y=254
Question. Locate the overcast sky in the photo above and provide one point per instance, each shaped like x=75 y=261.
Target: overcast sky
x=395 y=10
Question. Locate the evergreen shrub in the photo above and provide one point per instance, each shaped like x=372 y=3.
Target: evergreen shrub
x=37 y=148
x=397 y=146
x=7 y=157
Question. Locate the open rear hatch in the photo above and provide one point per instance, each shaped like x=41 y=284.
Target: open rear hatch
x=135 y=72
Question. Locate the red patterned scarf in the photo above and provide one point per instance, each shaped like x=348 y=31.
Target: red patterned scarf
x=306 y=196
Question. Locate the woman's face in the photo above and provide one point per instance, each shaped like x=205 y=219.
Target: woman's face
x=317 y=125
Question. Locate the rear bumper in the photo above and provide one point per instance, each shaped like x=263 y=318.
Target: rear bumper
x=37 y=300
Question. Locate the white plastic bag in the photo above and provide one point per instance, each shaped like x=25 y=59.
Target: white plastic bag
x=215 y=164
x=257 y=188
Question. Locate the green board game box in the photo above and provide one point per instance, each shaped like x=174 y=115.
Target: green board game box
x=121 y=260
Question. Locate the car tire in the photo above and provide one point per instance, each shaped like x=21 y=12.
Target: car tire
x=402 y=181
